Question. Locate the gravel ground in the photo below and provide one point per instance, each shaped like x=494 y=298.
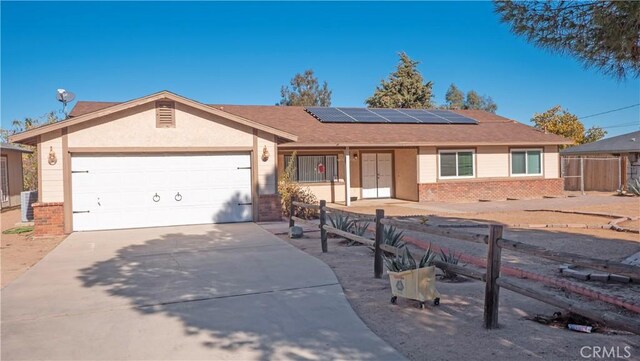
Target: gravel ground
x=453 y=330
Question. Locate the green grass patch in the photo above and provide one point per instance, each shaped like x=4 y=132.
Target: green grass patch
x=19 y=230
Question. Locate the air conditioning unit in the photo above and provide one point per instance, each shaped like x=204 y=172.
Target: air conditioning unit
x=27 y=199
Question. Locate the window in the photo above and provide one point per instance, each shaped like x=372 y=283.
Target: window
x=4 y=192
x=526 y=162
x=456 y=164
x=165 y=114
x=314 y=168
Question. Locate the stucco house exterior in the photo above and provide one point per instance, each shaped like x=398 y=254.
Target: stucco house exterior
x=11 y=174
x=164 y=159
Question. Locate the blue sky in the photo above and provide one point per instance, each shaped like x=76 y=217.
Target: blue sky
x=242 y=53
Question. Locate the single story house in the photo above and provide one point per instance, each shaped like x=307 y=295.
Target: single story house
x=11 y=174
x=164 y=159
x=625 y=146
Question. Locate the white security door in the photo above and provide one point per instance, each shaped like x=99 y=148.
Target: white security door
x=130 y=191
x=385 y=176
x=369 y=175
x=377 y=175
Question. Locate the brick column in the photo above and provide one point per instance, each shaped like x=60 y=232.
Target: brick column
x=48 y=219
x=269 y=208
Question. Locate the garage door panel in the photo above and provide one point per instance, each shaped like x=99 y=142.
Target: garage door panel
x=110 y=192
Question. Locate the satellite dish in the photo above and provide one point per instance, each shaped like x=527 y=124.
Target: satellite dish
x=64 y=97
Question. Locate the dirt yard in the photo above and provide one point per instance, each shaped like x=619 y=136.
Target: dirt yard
x=19 y=252
x=453 y=330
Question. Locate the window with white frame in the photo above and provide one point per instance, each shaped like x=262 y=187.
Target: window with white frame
x=314 y=168
x=456 y=164
x=526 y=162
x=4 y=192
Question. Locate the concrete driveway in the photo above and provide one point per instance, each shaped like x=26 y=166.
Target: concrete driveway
x=214 y=292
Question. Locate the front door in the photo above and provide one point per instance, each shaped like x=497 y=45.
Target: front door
x=376 y=175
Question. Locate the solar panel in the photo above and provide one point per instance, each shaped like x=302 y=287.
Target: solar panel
x=379 y=115
x=363 y=115
x=329 y=115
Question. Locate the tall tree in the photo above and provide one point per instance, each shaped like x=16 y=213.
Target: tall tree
x=404 y=88
x=559 y=121
x=454 y=97
x=306 y=91
x=476 y=101
x=602 y=34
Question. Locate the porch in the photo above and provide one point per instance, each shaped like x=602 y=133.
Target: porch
x=345 y=176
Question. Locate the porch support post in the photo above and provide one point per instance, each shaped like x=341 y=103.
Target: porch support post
x=347 y=177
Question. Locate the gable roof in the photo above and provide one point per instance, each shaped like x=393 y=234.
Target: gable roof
x=625 y=143
x=491 y=128
x=304 y=130
x=105 y=108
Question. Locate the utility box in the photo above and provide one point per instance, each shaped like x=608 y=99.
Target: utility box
x=27 y=199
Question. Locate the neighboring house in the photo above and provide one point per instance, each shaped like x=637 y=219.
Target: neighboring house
x=11 y=174
x=167 y=160
x=625 y=146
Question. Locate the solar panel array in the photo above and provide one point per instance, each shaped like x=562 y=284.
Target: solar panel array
x=379 y=115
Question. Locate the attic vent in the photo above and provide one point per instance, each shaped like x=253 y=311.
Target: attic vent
x=165 y=114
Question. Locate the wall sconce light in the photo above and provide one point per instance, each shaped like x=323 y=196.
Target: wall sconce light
x=52 y=157
x=265 y=154
x=355 y=156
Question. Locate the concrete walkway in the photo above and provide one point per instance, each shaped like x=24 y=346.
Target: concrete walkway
x=214 y=292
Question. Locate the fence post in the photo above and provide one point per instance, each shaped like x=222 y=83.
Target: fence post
x=582 y=175
x=377 y=259
x=323 y=221
x=291 y=213
x=492 y=290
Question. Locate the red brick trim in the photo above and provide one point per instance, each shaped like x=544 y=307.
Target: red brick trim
x=48 y=219
x=269 y=208
x=492 y=189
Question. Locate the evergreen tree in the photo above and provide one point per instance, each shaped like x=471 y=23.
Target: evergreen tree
x=602 y=34
x=306 y=91
x=454 y=97
x=404 y=88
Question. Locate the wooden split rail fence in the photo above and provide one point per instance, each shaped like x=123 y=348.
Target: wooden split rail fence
x=491 y=276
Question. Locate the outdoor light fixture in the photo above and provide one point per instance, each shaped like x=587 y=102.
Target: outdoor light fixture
x=52 y=157
x=265 y=154
x=355 y=156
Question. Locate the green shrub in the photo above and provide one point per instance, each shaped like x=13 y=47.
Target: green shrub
x=290 y=190
x=343 y=223
x=427 y=259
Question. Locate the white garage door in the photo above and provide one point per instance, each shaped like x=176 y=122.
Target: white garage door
x=129 y=191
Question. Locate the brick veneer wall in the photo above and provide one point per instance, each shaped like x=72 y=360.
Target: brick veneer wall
x=269 y=208
x=48 y=219
x=490 y=189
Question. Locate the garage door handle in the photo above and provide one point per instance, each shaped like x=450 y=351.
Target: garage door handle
x=178 y=197
x=81 y=212
x=245 y=204
x=156 y=198
x=244 y=167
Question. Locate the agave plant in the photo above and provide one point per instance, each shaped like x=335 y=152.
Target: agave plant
x=343 y=223
x=401 y=262
x=393 y=237
x=450 y=258
x=405 y=261
x=427 y=259
x=634 y=186
x=359 y=229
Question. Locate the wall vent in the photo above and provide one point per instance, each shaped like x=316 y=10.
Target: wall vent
x=165 y=114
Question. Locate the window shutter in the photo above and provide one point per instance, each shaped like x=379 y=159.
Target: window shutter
x=165 y=114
